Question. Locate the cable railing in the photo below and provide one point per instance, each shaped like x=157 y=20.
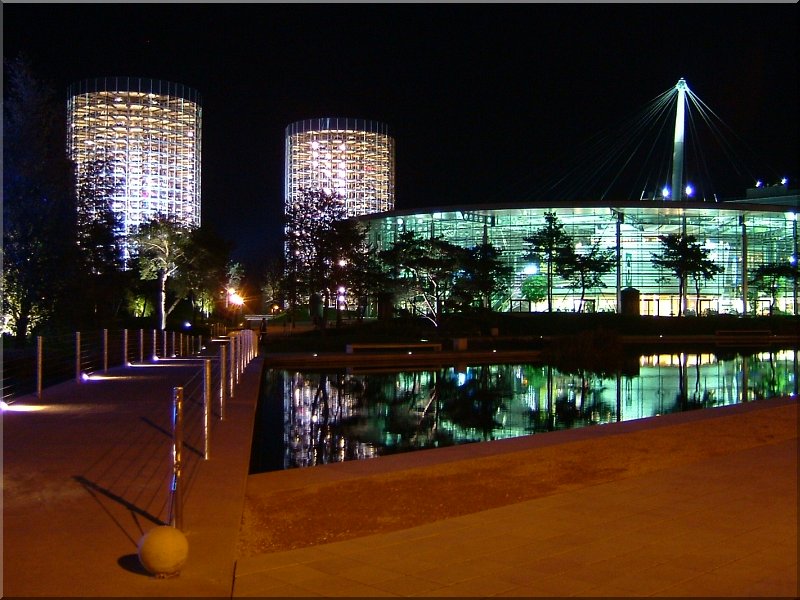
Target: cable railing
x=54 y=359
x=19 y=372
x=198 y=405
x=209 y=371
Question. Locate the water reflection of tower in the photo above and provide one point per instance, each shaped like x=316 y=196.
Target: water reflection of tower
x=316 y=406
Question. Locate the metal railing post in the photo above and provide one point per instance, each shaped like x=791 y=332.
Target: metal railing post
x=124 y=347
x=237 y=351
x=39 y=355
x=77 y=357
x=173 y=345
x=176 y=508
x=240 y=355
x=141 y=345
x=223 y=380
x=155 y=345
x=207 y=407
x=233 y=367
x=105 y=350
x=164 y=344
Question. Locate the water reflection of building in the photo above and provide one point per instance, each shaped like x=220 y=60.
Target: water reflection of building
x=314 y=409
x=349 y=415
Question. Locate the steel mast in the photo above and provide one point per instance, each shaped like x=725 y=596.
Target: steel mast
x=677 y=149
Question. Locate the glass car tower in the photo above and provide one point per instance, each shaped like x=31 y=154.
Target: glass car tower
x=147 y=133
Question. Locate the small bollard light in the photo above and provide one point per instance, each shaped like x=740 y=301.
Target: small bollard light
x=163 y=551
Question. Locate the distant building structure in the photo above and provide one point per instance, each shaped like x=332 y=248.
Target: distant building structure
x=336 y=168
x=740 y=235
x=349 y=158
x=147 y=132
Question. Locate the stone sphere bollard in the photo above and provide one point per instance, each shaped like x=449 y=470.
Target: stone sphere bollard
x=163 y=551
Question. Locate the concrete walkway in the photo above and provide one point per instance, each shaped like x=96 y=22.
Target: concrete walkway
x=720 y=523
x=86 y=477
x=87 y=474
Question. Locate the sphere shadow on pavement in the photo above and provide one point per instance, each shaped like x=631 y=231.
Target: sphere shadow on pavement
x=130 y=562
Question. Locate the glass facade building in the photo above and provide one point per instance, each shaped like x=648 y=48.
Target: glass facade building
x=739 y=236
x=149 y=133
x=353 y=158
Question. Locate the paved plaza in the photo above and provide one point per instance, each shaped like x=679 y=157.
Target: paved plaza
x=86 y=476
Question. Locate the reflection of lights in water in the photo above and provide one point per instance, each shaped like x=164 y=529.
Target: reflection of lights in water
x=432 y=416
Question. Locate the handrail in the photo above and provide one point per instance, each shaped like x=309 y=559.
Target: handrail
x=58 y=358
x=198 y=396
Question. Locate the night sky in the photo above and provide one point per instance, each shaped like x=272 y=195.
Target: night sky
x=477 y=96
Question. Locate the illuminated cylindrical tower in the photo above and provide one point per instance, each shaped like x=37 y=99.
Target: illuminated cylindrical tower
x=148 y=134
x=352 y=158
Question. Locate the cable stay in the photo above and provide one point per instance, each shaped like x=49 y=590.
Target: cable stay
x=636 y=159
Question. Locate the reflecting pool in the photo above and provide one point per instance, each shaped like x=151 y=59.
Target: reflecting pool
x=308 y=418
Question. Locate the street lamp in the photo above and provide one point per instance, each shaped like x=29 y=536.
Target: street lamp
x=233 y=299
x=236 y=299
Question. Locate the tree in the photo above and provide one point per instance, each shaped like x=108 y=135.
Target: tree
x=483 y=276
x=103 y=281
x=97 y=225
x=585 y=270
x=203 y=274
x=705 y=270
x=273 y=282
x=232 y=289
x=545 y=245
x=354 y=273
x=769 y=278
x=39 y=216
x=367 y=277
x=684 y=257
x=534 y=288
x=424 y=271
x=308 y=220
x=161 y=248
x=332 y=268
